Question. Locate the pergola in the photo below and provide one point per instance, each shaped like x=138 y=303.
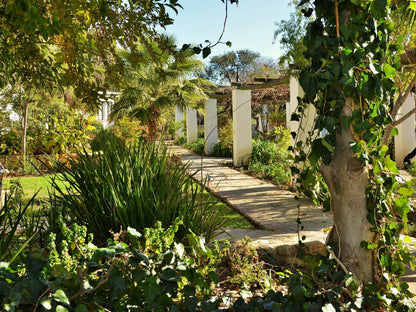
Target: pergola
x=404 y=142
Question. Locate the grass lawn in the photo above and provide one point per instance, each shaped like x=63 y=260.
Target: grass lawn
x=31 y=185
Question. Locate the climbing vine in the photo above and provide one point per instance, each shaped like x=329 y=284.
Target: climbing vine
x=349 y=82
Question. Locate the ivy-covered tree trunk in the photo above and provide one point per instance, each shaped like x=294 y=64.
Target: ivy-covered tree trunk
x=354 y=61
x=347 y=180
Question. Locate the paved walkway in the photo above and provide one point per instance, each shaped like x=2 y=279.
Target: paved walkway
x=272 y=209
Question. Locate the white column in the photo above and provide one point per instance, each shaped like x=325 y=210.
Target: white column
x=211 y=125
x=191 y=126
x=404 y=142
x=179 y=118
x=242 y=136
x=304 y=127
x=105 y=110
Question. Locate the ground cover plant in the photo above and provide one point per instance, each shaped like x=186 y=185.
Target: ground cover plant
x=150 y=270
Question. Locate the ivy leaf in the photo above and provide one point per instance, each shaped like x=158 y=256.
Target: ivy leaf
x=213 y=277
x=406 y=191
x=60 y=296
x=46 y=303
x=180 y=249
x=412 y=6
x=60 y=308
x=309 y=85
x=390 y=165
x=170 y=275
x=328 y=308
x=394 y=132
x=206 y=51
x=389 y=71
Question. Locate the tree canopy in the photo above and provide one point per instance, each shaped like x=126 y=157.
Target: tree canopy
x=67 y=41
x=149 y=86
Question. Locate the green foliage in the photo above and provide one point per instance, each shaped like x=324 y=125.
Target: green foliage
x=18 y=223
x=9 y=142
x=143 y=273
x=127 y=128
x=290 y=34
x=222 y=150
x=353 y=60
x=119 y=186
x=320 y=286
x=412 y=169
x=181 y=141
x=154 y=85
x=232 y=66
x=47 y=44
x=198 y=147
x=225 y=134
x=66 y=135
x=271 y=160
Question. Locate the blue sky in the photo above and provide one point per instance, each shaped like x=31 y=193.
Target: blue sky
x=250 y=25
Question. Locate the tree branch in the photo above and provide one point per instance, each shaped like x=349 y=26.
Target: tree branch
x=82 y=291
x=397 y=105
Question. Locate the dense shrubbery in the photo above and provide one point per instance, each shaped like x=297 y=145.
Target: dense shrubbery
x=151 y=271
x=271 y=158
x=218 y=150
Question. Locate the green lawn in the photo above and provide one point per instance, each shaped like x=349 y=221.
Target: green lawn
x=31 y=185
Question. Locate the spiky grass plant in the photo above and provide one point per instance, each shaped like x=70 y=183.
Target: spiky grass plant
x=134 y=186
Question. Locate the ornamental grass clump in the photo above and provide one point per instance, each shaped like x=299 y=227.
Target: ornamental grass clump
x=119 y=186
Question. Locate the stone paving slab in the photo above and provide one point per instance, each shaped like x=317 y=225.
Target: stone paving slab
x=265 y=204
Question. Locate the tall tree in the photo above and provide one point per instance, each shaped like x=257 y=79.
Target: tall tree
x=151 y=86
x=290 y=34
x=232 y=66
x=349 y=81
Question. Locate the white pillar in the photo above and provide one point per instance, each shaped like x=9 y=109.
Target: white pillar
x=304 y=127
x=105 y=110
x=211 y=125
x=242 y=136
x=191 y=126
x=179 y=118
x=404 y=142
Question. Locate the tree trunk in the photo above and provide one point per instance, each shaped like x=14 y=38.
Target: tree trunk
x=24 y=130
x=347 y=180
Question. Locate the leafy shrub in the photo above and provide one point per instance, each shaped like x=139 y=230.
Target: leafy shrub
x=270 y=160
x=222 y=150
x=67 y=133
x=225 y=134
x=198 y=147
x=95 y=127
x=181 y=141
x=149 y=273
x=136 y=185
x=10 y=142
x=128 y=128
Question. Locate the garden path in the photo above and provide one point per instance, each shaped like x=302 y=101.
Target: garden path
x=271 y=208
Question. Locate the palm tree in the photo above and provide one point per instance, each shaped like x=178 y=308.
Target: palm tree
x=158 y=80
